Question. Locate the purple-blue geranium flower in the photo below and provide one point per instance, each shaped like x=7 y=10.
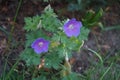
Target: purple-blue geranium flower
x=72 y=27
x=40 y=45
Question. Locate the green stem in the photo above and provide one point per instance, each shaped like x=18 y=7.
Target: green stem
x=66 y=56
x=67 y=67
x=12 y=29
x=9 y=73
x=5 y=67
x=116 y=27
x=106 y=72
x=16 y=14
x=97 y=54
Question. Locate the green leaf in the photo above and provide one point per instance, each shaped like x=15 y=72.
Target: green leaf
x=30 y=57
x=88 y=16
x=52 y=61
x=32 y=23
x=83 y=33
x=49 y=20
x=72 y=76
x=60 y=51
x=74 y=45
x=56 y=37
x=42 y=77
x=91 y=18
x=97 y=16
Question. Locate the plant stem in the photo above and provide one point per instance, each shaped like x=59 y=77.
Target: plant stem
x=67 y=66
x=8 y=75
x=106 y=72
x=5 y=67
x=97 y=54
x=12 y=29
x=14 y=20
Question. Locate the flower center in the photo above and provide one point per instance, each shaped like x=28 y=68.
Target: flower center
x=71 y=26
x=40 y=44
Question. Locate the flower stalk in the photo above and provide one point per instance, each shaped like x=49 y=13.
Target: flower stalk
x=67 y=67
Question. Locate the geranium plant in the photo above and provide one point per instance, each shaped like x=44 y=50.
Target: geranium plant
x=50 y=43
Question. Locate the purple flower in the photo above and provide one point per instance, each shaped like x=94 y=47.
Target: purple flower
x=72 y=27
x=40 y=45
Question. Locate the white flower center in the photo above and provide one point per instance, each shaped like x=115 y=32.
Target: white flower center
x=40 y=44
x=71 y=26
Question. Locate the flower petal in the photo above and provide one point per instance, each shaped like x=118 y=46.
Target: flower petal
x=39 y=48
x=72 y=27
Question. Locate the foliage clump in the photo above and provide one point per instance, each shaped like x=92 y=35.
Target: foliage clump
x=55 y=59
